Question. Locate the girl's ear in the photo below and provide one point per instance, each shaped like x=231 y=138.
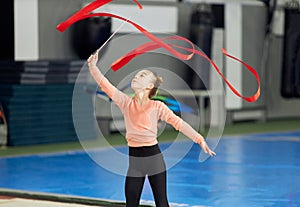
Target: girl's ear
x=150 y=86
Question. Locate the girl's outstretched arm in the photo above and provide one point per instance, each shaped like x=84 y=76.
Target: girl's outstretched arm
x=168 y=116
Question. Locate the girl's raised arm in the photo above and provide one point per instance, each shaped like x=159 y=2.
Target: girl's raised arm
x=101 y=80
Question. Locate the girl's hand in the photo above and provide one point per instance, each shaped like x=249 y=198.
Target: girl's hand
x=94 y=70
x=93 y=59
x=206 y=149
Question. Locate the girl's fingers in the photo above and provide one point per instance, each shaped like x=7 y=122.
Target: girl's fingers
x=207 y=150
x=212 y=153
x=92 y=59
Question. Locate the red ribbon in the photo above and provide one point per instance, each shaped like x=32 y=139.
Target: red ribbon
x=152 y=46
x=156 y=43
x=85 y=13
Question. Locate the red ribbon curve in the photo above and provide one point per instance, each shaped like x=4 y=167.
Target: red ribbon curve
x=156 y=43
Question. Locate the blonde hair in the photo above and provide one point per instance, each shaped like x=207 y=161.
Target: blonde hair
x=158 y=81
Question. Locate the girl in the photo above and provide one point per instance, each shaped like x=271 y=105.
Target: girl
x=141 y=115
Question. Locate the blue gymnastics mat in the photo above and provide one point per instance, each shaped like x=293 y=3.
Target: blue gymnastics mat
x=249 y=170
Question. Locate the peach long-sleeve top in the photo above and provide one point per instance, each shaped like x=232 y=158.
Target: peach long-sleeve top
x=141 y=120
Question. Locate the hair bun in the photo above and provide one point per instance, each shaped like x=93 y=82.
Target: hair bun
x=159 y=80
x=157 y=83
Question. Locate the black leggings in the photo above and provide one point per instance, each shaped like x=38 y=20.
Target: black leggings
x=146 y=161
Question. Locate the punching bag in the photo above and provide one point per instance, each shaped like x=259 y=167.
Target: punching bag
x=89 y=34
x=202 y=24
x=290 y=83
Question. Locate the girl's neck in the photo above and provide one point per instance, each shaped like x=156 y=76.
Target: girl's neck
x=141 y=97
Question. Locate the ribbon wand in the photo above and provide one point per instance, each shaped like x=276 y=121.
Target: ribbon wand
x=117 y=30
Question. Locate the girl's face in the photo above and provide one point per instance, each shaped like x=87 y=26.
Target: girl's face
x=143 y=80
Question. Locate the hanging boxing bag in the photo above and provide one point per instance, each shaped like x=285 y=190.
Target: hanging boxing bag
x=290 y=83
x=202 y=23
x=89 y=34
x=297 y=71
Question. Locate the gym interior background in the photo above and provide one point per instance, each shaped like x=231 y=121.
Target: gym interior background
x=40 y=65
